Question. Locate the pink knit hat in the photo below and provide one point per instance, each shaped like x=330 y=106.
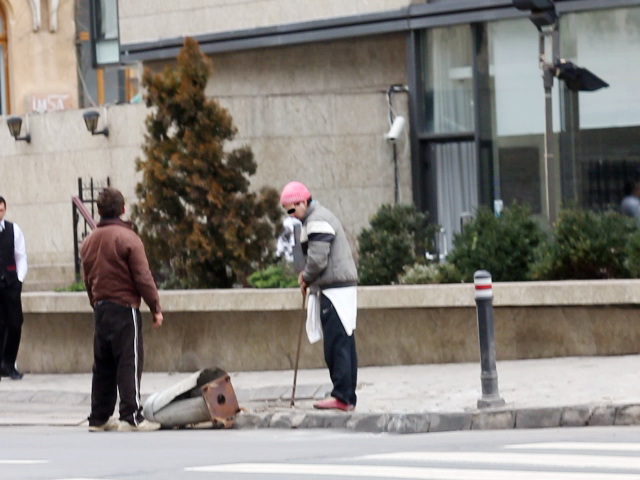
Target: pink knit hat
x=294 y=192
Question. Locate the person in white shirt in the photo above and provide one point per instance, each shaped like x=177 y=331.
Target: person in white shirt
x=13 y=270
x=286 y=240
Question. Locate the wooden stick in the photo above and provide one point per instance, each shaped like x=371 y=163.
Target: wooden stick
x=295 y=370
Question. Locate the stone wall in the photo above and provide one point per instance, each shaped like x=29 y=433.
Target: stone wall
x=150 y=20
x=318 y=114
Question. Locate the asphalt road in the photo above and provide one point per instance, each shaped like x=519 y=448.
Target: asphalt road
x=65 y=453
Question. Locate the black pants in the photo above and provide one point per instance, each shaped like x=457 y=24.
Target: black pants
x=11 y=320
x=339 y=353
x=118 y=361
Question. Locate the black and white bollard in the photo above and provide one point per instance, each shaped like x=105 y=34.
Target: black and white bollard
x=484 y=307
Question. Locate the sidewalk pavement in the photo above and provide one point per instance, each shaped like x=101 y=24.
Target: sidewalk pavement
x=572 y=391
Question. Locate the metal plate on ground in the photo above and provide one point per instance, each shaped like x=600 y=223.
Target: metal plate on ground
x=221 y=401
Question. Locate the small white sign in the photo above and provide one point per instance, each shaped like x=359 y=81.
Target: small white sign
x=51 y=102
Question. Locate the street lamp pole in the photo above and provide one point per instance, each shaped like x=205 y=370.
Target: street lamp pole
x=548 y=72
x=544 y=16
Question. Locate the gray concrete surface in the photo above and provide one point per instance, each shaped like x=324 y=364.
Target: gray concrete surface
x=570 y=391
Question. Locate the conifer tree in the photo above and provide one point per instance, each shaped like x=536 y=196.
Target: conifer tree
x=200 y=224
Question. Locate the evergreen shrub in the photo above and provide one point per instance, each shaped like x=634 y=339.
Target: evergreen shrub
x=504 y=245
x=589 y=245
x=398 y=236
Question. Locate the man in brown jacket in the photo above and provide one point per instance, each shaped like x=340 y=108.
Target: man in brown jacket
x=116 y=274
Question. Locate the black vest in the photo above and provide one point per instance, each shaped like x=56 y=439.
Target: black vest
x=7 y=251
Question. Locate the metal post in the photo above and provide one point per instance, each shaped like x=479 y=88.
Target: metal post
x=76 y=254
x=546 y=64
x=489 y=374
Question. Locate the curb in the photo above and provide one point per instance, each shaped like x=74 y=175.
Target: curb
x=569 y=416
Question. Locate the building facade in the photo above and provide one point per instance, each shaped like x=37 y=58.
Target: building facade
x=313 y=88
x=37 y=56
x=475 y=93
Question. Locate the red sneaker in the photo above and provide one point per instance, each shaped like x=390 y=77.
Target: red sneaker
x=333 y=403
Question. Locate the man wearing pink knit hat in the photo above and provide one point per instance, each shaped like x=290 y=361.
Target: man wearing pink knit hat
x=331 y=277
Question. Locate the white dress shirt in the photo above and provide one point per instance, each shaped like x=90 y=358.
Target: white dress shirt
x=20 y=250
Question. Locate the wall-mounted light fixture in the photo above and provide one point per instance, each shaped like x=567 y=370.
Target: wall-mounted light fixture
x=15 y=126
x=91 y=121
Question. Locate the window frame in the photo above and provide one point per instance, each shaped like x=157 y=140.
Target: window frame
x=94 y=18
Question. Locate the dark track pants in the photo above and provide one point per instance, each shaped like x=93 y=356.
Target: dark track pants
x=11 y=320
x=339 y=354
x=118 y=360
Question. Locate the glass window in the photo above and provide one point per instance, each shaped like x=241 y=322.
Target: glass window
x=448 y=80
x=602 y=154
x=517 y=113
x=106 y=37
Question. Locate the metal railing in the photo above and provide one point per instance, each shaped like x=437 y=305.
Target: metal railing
x=79 y=210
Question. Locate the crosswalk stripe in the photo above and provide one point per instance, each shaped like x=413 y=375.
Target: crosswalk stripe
x=532 y=459
x=609 y=447
x=377 y=471
x=22 y=462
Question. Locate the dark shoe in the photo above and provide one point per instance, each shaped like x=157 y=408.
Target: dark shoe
x=11 y=372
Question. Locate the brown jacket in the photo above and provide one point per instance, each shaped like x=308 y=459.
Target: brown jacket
x=116 y=267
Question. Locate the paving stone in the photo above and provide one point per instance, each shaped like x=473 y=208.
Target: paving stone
x=369 y=422
x=538 y=418
x=628 y=415
x=71 y=398
x=280 y=420
x=20 y=396
x=306 y=392
x=603 y=415
x=575 y=416
x=270 y=393
x=493 y=420
x=325 y=420
x=447 y=422
x=323 y=392
x=266 y=420
x=243 y=394
x=248 y=420
x=409 y=423
x=46 y=396
x=5 y=396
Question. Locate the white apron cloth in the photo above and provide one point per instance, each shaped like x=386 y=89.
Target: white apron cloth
x=344 y=300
